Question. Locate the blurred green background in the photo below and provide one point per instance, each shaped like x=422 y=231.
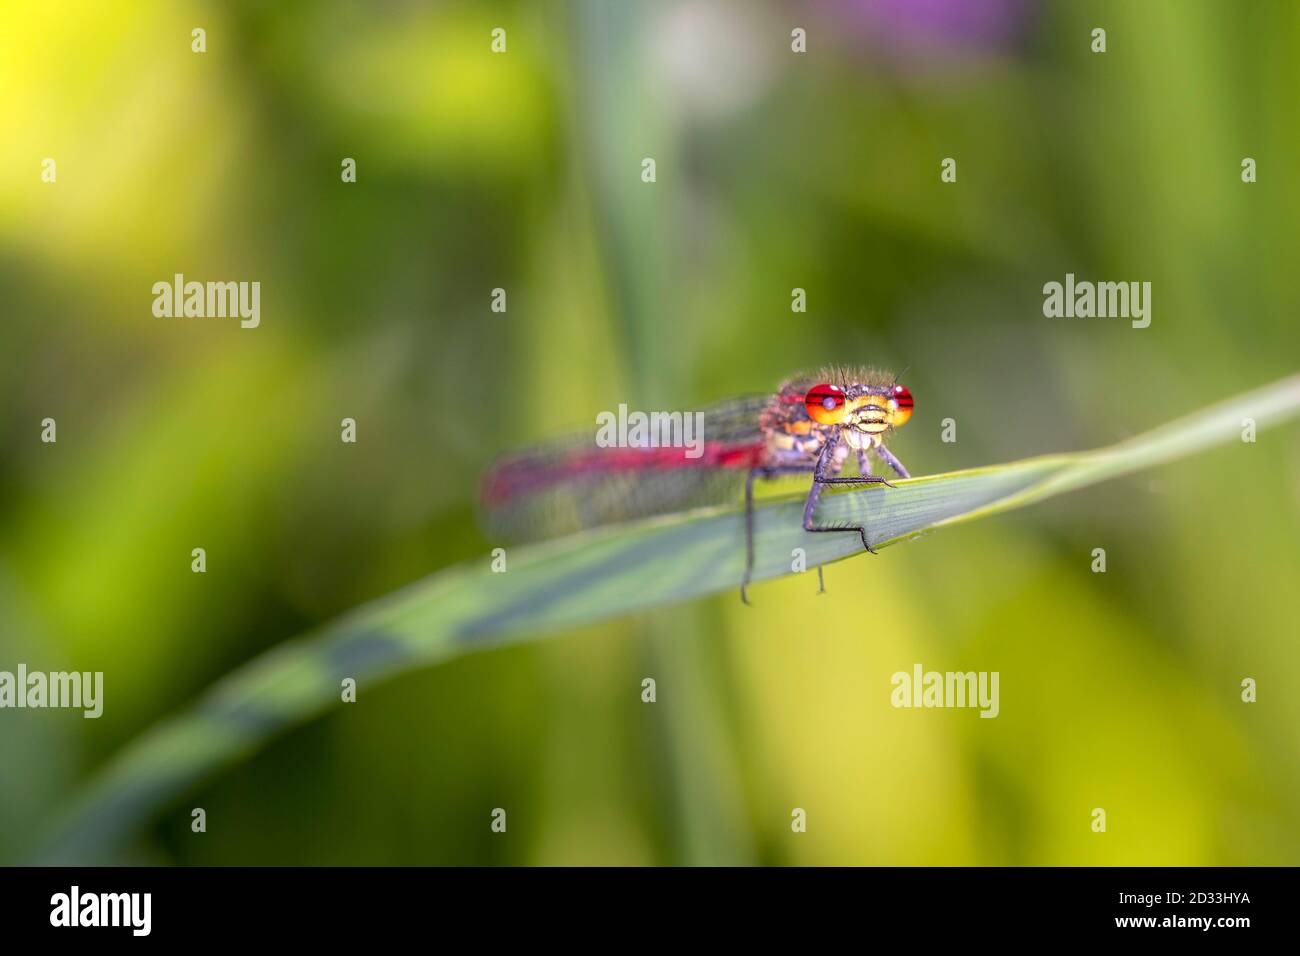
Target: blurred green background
x=775 y=170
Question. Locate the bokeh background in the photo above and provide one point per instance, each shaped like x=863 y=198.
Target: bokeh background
x=775 y=170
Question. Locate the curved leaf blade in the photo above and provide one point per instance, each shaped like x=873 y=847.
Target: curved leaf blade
x=578 y=580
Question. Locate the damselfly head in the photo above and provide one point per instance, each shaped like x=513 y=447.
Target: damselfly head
x=867 y=408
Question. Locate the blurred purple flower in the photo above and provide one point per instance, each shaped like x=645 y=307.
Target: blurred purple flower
x=909 y=25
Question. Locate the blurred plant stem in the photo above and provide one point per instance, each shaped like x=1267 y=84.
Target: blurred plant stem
x=627 y=124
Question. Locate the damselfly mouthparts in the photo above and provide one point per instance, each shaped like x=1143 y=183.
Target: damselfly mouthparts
x=811 y=425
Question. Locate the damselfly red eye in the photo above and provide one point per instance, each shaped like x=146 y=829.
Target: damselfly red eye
x=825 y=404
x=901 y=399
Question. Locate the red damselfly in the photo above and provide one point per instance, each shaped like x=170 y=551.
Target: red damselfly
x=811 y=425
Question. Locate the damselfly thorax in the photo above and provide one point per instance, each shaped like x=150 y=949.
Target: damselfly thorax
x=809 y=426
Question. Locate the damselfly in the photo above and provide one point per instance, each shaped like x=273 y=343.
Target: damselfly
x=811 y=425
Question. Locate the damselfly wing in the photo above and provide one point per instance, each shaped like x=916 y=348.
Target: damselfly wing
x=573 y=483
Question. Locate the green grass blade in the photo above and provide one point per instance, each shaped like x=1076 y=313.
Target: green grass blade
x=576 y=581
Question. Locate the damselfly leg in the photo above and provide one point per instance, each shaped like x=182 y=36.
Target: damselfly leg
x=824 y=473
x=767 y=474
x=822 y=476
x=890 y=459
